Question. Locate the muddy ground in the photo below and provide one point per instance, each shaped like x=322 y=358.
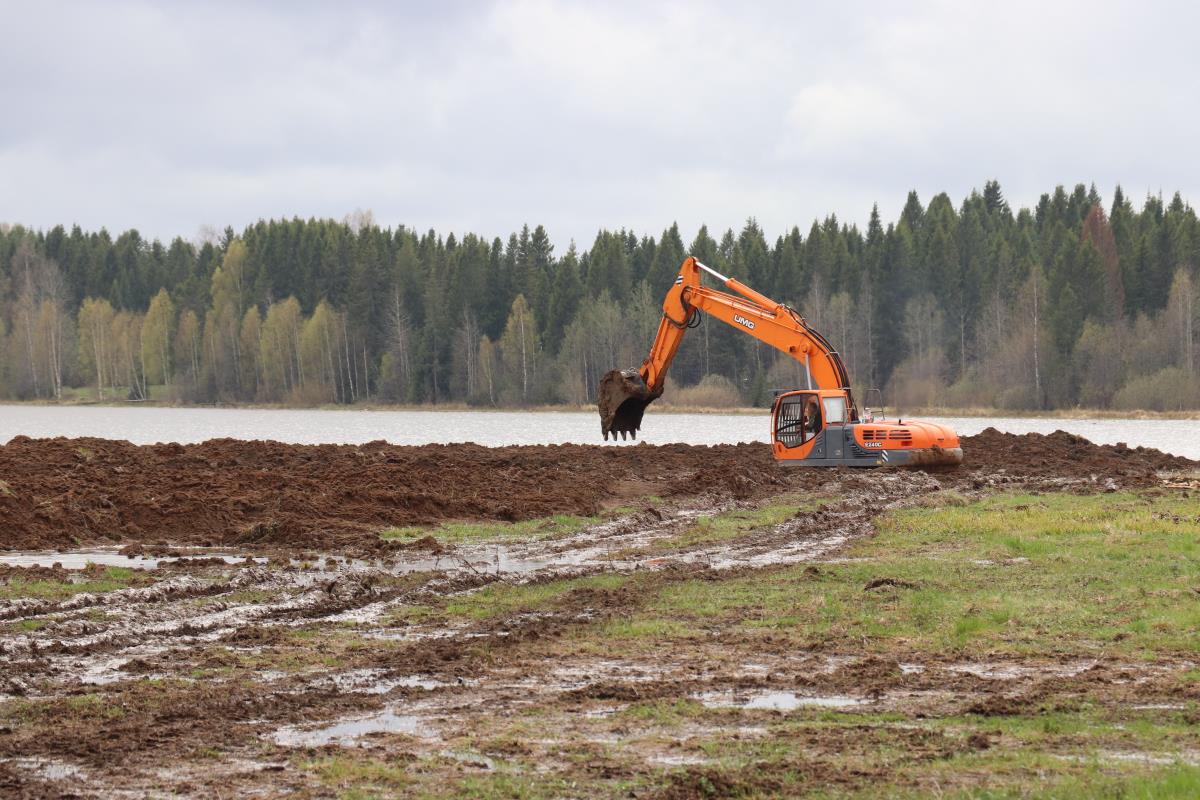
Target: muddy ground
x=339 y=660
x=57 y=493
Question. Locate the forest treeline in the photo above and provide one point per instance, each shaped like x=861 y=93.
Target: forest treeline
x=1070 y=303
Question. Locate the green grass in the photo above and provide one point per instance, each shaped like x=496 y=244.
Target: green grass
x=359 y=778
x=359 y=775
x=732 y=525
x=31 y=624
x=1095 y=779
x=1179 y=781
x=112 y=579
x=504 y=599
x=468 y=532
x=1011 y=573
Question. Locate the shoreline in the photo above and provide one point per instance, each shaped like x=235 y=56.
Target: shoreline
x=658 y=408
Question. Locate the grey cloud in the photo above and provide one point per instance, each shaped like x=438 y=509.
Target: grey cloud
x=480 y=116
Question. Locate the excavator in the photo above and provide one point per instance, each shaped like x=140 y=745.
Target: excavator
x=818 y=425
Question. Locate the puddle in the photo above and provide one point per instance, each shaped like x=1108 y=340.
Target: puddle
x=372 y=681
x=678 y=760
x=1008 y=672
x=107 y=557
x=105 y=671
x=597 y=545
x=47 y=768
x=409 y=635
x=606 y=711
x=614 y=545
x=587 y=673
x=1189 y=758
x=752 y=669
x=469 y=759
x=347 y=732
x=775 y=701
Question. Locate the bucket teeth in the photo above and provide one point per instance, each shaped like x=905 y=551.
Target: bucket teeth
x=623 y=397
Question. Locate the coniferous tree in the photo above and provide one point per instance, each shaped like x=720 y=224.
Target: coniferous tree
x=421 y=318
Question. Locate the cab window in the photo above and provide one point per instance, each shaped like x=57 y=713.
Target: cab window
x=835 y=410
x=799 y=419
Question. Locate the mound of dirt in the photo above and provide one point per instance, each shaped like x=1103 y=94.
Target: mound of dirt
x=1065 y=455
x=66 y=492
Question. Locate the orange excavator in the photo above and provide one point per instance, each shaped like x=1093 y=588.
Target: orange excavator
x=815 y=426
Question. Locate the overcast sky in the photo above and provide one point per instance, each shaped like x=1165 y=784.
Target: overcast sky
x=479 y=116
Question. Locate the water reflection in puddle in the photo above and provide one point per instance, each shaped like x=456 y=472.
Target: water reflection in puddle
x=775 y=700
x=49 y=769
x=374 y=681
x=347 y=732
x=107 y=557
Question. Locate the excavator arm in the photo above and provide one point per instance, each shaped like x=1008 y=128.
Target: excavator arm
x=624 y=395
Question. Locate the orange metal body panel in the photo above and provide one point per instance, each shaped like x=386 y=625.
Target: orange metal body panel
x=753 y=313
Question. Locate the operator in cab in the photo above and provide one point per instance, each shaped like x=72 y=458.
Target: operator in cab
x=812 y=417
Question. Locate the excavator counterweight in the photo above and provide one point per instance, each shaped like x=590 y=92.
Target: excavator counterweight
x=818 y=425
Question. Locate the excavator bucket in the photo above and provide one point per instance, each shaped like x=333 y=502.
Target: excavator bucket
x=623 y=397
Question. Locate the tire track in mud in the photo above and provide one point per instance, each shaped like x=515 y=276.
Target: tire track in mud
x=159 y=617
x=493 y=664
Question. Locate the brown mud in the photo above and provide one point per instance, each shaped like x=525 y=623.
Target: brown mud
x=205 y=678
x=70 y=492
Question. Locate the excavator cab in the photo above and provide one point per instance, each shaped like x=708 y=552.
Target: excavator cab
x=821 y=428
x=806 y=423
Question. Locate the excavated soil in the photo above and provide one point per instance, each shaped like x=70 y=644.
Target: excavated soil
x=57 y=493
x=205 y=678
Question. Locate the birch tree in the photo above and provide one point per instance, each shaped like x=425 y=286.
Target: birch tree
x=250 y=340
x=187 y=346
x=158 y=332
x=520 y=351
x=95 y=327
x=1181 y=313
x=319 y=348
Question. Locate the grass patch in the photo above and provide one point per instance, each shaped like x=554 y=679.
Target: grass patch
x=735 y=524
x=504 y=599
x=359 y=777
x=1010 y=573
x=32 y=624
x=111 y=579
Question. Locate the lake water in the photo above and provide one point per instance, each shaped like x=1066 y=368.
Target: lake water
x=148 y=424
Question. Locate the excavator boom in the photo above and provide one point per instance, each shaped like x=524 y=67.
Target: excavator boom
x=625 y=394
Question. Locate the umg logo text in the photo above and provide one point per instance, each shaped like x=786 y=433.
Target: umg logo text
x=740 y=320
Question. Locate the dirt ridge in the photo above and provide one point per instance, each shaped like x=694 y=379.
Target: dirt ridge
x=66 y=492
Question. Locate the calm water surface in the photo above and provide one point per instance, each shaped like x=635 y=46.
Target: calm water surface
x=147 y=425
